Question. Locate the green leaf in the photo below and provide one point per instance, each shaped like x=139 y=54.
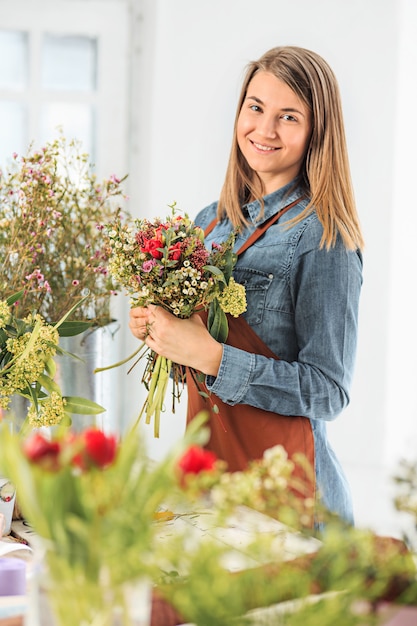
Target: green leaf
x=72 y=328
x=68 y=313
x=50 y=367
x=82 y=406
x=217 y=322
x=14 y=298
x=49 y=384
x=214 y=270
x=228 y=268
x=61 y=352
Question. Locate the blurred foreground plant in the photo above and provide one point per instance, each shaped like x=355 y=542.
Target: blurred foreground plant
x=95 y=501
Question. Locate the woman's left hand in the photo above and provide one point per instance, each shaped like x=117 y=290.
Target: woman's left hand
x=183 y=341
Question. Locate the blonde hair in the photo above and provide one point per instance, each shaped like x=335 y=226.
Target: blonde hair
x=325 y=173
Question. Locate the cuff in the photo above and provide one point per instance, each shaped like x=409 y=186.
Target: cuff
x=232 y=380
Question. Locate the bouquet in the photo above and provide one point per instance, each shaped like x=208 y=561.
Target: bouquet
x=165 y=262
x=28 y=347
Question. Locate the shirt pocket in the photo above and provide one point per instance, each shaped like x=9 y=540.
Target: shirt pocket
x=256 y=284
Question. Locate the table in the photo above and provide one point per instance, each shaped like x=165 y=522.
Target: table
x=236 y=533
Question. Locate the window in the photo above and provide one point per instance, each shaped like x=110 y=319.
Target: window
x=64 y=64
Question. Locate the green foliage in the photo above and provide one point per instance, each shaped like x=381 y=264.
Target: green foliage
x=28 y=348
x=217 y=322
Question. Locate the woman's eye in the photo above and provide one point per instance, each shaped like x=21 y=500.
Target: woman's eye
x=255 y=107
x=289 y=118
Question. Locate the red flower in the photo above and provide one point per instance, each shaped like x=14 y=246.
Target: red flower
x=151 y=247
x=197 y=460
x=97 y=449
x=174 y=252
x=42 y=451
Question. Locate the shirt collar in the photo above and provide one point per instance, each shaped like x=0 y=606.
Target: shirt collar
x=273 y=202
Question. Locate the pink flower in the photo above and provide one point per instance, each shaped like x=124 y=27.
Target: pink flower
x=148 y=265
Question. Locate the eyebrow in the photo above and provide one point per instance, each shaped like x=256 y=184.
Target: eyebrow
x=286 y=109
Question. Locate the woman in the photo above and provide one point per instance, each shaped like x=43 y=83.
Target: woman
x=281 y=377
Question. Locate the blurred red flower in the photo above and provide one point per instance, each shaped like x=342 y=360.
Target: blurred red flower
x=196 y=460
x=96 y=450
x=40 y=450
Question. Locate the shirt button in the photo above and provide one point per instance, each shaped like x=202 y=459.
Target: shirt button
x=270 y=276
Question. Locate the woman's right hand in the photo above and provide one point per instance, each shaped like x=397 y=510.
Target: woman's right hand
x=138 y=322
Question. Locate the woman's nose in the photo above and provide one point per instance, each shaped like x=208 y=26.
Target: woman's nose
x=267 y=126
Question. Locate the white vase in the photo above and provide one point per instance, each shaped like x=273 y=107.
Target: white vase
x=136 y=612
x=97 y=347
x=7 y=500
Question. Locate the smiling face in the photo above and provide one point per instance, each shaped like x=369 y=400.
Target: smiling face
x=273 y=130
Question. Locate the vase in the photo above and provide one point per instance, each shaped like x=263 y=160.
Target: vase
x=96 y=348
x=7 y=502
x=68 y=600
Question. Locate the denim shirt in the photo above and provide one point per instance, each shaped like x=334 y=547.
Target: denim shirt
x=303 y=302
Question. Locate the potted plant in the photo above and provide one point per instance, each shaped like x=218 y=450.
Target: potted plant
x=52 y=249
x=52 y=210
x=28 y=347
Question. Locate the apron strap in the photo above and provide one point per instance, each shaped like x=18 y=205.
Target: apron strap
x=260 y=230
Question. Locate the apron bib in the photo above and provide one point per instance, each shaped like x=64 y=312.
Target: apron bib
x=242 y=433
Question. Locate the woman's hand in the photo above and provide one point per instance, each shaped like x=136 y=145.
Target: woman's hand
x=186 y=342
x=138 y=320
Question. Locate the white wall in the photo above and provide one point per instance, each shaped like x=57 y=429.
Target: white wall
x=188 y=62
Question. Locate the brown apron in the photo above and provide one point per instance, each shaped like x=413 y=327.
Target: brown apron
x=242 y=433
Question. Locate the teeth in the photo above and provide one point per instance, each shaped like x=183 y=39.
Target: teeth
x=264 y=148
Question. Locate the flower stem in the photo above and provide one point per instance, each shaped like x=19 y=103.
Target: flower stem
x=122 y=362
x=155 y=400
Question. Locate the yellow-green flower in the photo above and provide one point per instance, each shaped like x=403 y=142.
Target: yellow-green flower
x=233 y=298
x=28 y=348
x=4 y=313
x=50 y=411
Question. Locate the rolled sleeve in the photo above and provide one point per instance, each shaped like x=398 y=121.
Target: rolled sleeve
x=232 y=381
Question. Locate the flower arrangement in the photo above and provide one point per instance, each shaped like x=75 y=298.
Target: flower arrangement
x=52 y=209
x=349 y=577
x=165 y=262
x=28 y=348
x=93 y=500
x=94 y=503
x=271 y=485
x=405 y=500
